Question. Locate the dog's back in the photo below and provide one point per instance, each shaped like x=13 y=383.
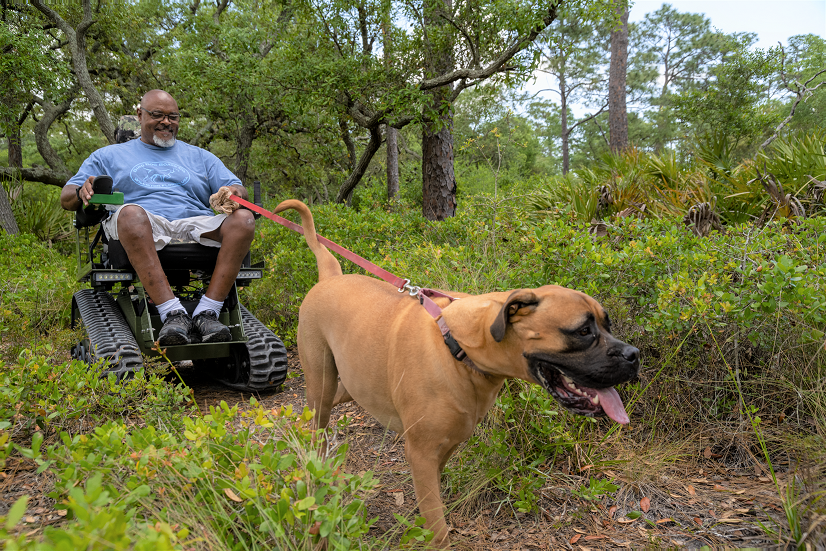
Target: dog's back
x=327 y=264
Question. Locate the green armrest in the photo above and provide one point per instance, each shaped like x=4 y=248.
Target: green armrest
x=115 y=198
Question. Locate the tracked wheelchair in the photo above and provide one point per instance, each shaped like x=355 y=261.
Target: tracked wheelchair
x=122 y=323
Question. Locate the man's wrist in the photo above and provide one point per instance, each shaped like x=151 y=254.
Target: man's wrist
x=77 y=192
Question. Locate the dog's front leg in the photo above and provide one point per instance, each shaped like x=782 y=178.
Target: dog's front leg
x=425 y=461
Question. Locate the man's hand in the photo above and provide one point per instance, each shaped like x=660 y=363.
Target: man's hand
x=221 y=202
x=240 y=191
x=73 y=198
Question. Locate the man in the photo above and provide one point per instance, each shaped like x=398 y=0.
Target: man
x=166 y=186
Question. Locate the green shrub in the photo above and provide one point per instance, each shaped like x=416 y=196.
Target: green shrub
x=230 y=479
x=37 y=394
x=36 y=286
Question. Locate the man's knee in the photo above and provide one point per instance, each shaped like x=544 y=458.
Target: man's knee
x=133 y=222
x=240 y=223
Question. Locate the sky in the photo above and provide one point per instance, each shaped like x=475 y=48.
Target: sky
x=773 y=20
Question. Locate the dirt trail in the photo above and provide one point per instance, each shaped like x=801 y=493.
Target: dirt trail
x=705 y=504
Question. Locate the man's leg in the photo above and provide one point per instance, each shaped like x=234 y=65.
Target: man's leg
x=235 y=235
x=135 y=235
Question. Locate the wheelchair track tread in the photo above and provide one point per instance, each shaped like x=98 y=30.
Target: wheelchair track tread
x=108 y=332
x=268 y=357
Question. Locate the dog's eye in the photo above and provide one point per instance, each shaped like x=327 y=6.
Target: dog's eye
x=585 y=331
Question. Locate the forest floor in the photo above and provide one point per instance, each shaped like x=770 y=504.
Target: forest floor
x=698 y=504
x=702 y=504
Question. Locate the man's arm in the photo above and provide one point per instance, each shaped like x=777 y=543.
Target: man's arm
x=73 y=197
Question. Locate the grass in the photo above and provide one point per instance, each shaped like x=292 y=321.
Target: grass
x=731 y=329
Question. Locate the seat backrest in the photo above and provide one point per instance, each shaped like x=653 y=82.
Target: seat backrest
x=128 y=129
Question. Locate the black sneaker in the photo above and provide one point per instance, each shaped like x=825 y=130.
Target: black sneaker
x=177 y=329
x=211 y=330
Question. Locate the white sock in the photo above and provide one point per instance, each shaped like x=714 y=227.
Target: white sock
x=166 y=307
x=208 y=304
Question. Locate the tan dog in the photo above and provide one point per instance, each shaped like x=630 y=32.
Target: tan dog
x=391 y=358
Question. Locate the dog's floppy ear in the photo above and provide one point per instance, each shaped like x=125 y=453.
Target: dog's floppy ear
x=517 y=299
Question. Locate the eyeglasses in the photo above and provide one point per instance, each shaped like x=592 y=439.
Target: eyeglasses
x=158 y=116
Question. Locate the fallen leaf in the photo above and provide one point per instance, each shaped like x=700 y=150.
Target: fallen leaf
x=612 y=510
x=691 y=490
x=764 y=479
x=232 y=495
x=577 y=530
x=698 y=520
x=626 y=520
x=399 y=499
x=645 y=504
x=707 y=453
x=575 y=538
x=62 y=512
x=30 y=520
x=730 y=520
x=315 y=528
x=595 y=537
x=720 y=488
x=664 y=520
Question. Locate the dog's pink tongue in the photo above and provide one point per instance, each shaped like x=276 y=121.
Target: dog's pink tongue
x=612 y=404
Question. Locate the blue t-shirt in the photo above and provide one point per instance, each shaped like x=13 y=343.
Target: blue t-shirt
x=173 y=182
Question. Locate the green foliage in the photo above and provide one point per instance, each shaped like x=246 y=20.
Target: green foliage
x=596 y=489
x=35 y=286
x=37 y=210
x=37 y=394
x=513 y=450
x=203 y=484
x=732 y=103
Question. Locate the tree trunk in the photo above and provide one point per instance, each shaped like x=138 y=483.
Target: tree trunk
x=51 y=112
x=563 y=123
x=346 y=191
x=617 y=113
x=7 y=221
x=77 y=45
x=438 y=179
x=15 y=147
x=243 y=145
x=392 y=162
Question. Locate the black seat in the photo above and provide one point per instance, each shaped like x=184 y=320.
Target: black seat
x=175 y=256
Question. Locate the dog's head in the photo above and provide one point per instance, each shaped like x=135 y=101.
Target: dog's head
x=561 y=339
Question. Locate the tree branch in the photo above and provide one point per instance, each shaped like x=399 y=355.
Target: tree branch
x=77 y=45
x=801 y=91
x=40 y=174
x=495 y=66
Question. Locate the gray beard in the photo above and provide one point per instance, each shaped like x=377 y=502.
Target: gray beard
x=163 y=143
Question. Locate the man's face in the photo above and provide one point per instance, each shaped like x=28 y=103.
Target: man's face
x=158 y=132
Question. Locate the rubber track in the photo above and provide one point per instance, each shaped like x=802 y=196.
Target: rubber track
x=268 y=357
x=108 y=332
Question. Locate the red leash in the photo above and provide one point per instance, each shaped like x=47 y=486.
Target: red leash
x=402 y=284
x=398 y=282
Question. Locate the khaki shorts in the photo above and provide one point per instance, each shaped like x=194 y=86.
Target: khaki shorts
x=165 y=231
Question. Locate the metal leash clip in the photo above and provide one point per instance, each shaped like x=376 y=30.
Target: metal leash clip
x=411 y=289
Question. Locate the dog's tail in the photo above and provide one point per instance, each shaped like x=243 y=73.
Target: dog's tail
x=327 y=264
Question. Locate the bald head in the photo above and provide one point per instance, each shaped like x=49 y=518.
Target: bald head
x=157 y=95
x=156 y=128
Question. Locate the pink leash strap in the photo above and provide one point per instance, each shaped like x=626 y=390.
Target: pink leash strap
x=424 y=295
x=352 y=257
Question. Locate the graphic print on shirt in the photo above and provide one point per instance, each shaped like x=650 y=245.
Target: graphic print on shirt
x=159 y=174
